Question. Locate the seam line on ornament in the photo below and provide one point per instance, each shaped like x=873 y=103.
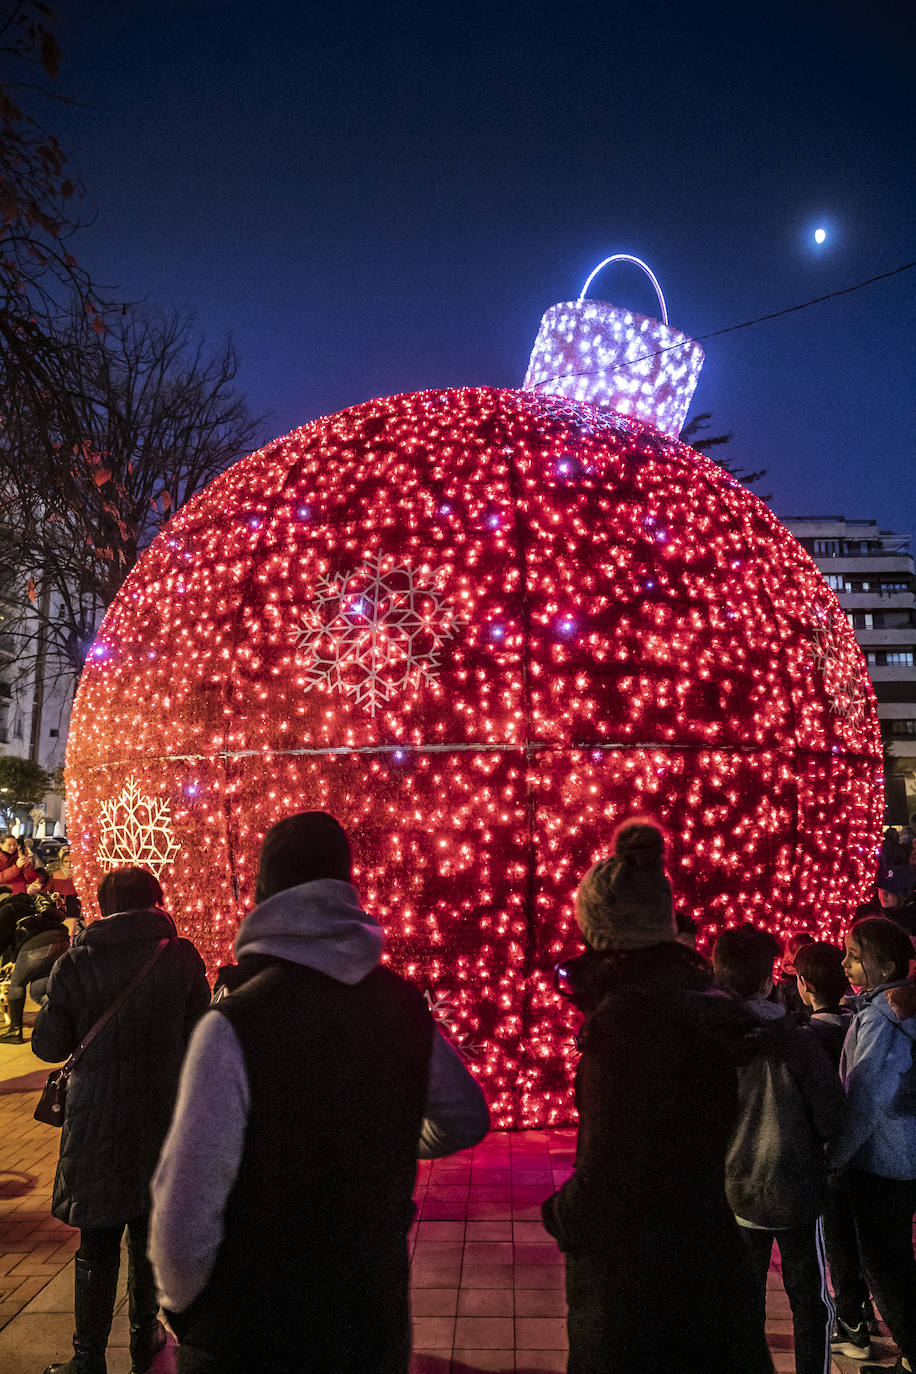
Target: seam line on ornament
x=522 y=747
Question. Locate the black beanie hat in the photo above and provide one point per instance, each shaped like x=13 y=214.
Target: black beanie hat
x=302 y=849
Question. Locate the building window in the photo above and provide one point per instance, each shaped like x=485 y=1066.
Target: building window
x=881 y=658
x=827 y=546
x=54 y=733
x=837 y=582
x=902 y=727
x=861 y=620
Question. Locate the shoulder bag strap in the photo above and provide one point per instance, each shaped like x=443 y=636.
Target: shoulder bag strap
x=117 y=1004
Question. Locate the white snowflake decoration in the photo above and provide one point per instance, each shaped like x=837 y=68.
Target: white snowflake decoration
x=136 y=830
x=444 y=1014
x=843 y=677
x=372 y=632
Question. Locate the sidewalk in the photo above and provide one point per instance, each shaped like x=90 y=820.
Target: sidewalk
x=487 y=1280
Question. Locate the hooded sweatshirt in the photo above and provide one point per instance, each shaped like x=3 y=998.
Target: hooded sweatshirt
x=791 y=1104
x=879 y=1074
x=322 y=926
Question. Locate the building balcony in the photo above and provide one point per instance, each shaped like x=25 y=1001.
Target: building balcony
x=902 y=637
x=892 y=672
x=877 y=601
x=897 y=710
x=871 y=563
x=902 y=748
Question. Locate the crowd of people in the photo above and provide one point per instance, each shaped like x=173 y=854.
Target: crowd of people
x=260 y=1149
x=895 y=882
x=724 y=1108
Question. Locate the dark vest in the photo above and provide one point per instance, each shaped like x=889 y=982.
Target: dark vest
x=312 y=1272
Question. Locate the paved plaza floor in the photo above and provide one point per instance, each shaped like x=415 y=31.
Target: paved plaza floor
x=487 y=1280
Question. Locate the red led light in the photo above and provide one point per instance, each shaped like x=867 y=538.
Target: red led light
x=480 y=627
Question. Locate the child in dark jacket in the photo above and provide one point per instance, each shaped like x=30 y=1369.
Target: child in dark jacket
x=822 y=986
x=791 y=1105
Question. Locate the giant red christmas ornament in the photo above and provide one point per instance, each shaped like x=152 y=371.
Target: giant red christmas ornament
x=480 y=627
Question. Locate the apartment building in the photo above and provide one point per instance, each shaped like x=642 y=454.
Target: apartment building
x=36 y=696
x=871 y=570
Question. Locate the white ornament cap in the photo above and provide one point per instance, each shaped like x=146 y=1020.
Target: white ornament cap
x=605 y=356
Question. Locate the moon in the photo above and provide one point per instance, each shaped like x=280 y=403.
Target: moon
x=820 y=235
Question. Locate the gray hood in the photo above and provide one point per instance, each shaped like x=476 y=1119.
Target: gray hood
x=907 y=1025
x=318 y=924
x=877 y=999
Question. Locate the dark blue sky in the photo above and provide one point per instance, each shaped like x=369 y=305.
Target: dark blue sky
x=375 y=199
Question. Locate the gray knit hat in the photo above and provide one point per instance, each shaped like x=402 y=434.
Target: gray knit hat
x=625 y=902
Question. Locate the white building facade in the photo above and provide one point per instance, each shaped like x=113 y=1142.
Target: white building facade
x=871 y=570
x=36 y=697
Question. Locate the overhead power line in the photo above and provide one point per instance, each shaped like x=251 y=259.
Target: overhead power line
x=760 y=319
x=818 y=300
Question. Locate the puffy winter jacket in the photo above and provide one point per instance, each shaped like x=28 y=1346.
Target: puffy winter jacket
x=13 y=909
x=122 y=1090
x=42 y=928
x=879 y=1073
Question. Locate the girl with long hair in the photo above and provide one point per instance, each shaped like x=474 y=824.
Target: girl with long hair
x=878 y=1144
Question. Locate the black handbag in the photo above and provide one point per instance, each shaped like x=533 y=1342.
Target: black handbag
x=52 y=1105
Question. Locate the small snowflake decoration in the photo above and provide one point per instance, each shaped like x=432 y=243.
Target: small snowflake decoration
x=444 y=1014
x=844 y=681
x=372 y=632
x=136 y=830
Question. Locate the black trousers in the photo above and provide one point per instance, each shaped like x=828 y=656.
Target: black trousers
x=850 y=1291
x=883 y=1209
x=804 y=1277
x=676 y=1302
x=100 y=1250
x=101 y=1245
x=30 y=965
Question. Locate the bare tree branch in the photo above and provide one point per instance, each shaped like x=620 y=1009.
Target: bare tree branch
x=158 y=419
x=694 y=434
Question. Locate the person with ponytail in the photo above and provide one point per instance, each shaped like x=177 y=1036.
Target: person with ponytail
x=657 y=1276
x=877 y=1148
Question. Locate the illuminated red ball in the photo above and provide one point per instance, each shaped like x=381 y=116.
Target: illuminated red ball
x=480 y=627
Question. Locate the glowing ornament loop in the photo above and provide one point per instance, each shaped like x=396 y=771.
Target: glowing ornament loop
x=638 y=262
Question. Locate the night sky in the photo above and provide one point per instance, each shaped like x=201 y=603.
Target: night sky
x=376 y=199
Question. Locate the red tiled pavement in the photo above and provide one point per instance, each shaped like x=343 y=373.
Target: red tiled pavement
x=487 y=1281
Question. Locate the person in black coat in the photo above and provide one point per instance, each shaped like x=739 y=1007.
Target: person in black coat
x=657 y=1278
x=120 y=1099
x=39 y=939
x=14 y=907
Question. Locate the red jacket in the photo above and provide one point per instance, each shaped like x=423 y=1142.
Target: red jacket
x=16 y=879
